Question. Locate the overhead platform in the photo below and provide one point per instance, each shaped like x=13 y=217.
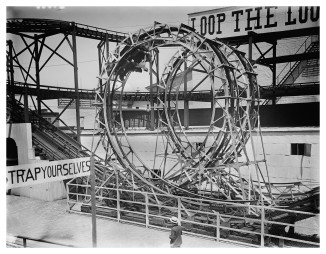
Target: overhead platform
x=53 y=92
x=50 y=26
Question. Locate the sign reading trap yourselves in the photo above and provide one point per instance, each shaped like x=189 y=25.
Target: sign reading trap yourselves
x=30 y=174
x=237 y=21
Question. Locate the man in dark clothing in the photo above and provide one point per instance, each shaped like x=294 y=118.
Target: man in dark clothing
x=176 y=232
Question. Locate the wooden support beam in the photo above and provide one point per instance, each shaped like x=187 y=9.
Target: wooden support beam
x=37 y=75
x=186 y=99
x=74 y=50
x=93 y=202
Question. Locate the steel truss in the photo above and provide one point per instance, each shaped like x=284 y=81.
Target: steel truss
x=213 y=169
x=36 y=45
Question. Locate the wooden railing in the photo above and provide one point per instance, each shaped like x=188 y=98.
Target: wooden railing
x=200 y=217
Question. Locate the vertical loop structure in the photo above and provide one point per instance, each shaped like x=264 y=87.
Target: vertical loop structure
x=217 y=164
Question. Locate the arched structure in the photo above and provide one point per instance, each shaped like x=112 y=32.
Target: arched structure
x=178 y=166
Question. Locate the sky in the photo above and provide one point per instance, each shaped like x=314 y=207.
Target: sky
x=117 y=18
x=123 y=19
x=128 y=18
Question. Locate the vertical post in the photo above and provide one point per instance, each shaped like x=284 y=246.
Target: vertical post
x=37 y=75
x=179 y=210
x=11 y=68
x=186 y=100
x=157 y=81
x=146 y=209
x=68 y=206
x=107 y=46
x=262 y=226
x=118 y=197
x=93 y=201
x=151 y=91
x=24 y=242
x=74 y=51
x=250 y=47
x=11 y=63
x=26 y=115
x=274 y=70
x=99 y=46
x=218 y=226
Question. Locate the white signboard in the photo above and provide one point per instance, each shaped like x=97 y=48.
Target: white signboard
x=237 y=21
x=30 y=174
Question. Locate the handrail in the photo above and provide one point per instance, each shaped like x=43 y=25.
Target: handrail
x=22 y=84
x=25 y=238
x=210 y=223
x=300 y=84
x=233 y=203
x=67 y=23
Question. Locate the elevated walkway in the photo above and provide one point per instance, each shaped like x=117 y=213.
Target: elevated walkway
x=50 y=27
x=64 y=94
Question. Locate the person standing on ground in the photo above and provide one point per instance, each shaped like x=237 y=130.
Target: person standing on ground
x=176 y=232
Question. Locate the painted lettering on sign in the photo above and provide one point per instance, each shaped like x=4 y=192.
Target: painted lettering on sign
x=30 y=174
x=235 y=21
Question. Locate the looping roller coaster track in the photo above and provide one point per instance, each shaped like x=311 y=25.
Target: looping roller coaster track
x=211 y=168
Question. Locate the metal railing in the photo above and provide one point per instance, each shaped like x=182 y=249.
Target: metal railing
x=214 y=220
x=21 y=241
x=294 y=85
x=51 y=88
x=35 y=24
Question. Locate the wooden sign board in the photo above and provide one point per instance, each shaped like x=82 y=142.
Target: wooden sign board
x=31 y=174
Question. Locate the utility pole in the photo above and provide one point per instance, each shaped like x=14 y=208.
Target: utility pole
x=93 y=202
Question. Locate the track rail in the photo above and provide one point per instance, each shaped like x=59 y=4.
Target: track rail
x=50 y=27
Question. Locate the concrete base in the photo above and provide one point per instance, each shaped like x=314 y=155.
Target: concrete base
x=21 y=133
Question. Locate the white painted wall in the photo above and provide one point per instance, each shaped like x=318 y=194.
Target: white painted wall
x=282 y=166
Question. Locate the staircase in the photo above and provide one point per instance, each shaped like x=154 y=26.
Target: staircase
x=295 y=70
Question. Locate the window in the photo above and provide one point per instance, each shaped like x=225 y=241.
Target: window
x=301 y=149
